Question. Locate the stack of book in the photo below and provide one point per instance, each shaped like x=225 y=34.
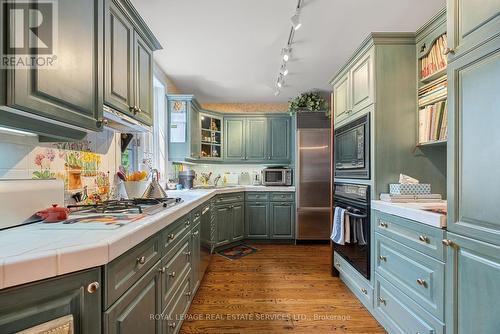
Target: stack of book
x=433 y=122
x=435 y=60
x=433 y=92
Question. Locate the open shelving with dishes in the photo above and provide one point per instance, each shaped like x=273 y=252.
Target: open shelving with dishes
x=211 y=136
x=432 y=105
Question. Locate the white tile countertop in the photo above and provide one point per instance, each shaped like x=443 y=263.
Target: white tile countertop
x=415 y=211
x=30 y=253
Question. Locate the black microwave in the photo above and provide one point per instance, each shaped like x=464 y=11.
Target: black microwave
x=352 y=149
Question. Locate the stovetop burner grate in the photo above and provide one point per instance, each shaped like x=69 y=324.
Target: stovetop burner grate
x=124 y=205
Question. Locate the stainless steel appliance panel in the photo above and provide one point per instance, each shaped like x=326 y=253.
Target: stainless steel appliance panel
x=313 y=184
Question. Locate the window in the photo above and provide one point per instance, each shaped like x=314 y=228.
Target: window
x=160 y=145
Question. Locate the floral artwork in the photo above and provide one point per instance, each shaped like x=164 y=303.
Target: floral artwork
x=44 y=161
x=83 y=145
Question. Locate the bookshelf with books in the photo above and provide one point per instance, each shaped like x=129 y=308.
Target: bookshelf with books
x=432 y=106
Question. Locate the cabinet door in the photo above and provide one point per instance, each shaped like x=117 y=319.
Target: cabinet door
x=224 y=228
x=341 y=98
x=282 y=220
x=257 y=220
x=473 y=191
x=362 y=81
x=234 y=138
x=72 y=91
x=238 y=221
x=131 y=313
x=256 y=139
x=472 y=286
x=279 y=139
x=470 y=23
x=143 y=72
x=195 y=257
x=119 y=69
x=194 y=131
x=65 y=298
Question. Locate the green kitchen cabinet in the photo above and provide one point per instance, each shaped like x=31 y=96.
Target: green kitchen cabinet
x=470 y=23
x=184 y=135
x=238 y=220
x=234 y=138
x=224 y=226
x=72 y=300
x=131 y=313
x=70 y=92
x=143 y=83
x=256 y=139
x=279 y=139
x=257 y=220
x=282 y=220
x=472 y=279
x=195 y=255
x=473 y=139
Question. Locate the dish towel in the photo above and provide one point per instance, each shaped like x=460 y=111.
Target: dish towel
x=360 y=233
x=338 y=226
x=347 y=228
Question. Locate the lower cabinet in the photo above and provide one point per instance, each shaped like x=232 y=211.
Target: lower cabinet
x=174 y=312
x=230 y=222
x=67 y=304
x=195 y=255
x=472 y=286
x=136 y=310
x=223 y=221
x=238 y=219
x=257 y=220
x=282 y=220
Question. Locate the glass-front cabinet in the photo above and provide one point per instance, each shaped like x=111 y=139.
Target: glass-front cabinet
x=211 y=136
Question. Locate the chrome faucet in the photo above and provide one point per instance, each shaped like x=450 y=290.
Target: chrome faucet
x=216 y=180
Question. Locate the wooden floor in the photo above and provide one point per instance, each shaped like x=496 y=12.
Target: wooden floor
x=279 y=289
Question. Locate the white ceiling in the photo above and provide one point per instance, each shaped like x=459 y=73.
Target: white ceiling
x=229 y=50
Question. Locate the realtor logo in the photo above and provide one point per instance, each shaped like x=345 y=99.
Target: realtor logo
x=30 y=35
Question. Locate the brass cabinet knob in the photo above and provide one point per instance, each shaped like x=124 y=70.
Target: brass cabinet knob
x=447 y=242
x=424 y=238
x=364 y=291
x=382 y=258
x=93 y=287
x=448 y=50
x=141 y=260
x=382 y=224
x=172 y=274
x=171 y=236
x=421 y=282
x=382 y=300
x=188 y=223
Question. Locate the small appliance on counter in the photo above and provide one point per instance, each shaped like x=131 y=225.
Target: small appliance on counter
x=277 y=176
x=256 y=179
x=186 y=178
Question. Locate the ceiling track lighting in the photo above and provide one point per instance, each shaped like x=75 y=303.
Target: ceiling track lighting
x=286 y=52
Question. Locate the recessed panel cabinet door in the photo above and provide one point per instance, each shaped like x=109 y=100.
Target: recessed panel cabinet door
x=470 y=23
x=238 y=221
x=472 y=286
x=119 y=75
x=474 y=139
x=257 y=220
x=143 y=60
x=362 y=83
x=224 y=226
x=341 y=98
x=256 y=139
x=282 y=218
x=279 y=139
x=234 y=138
x=71 y=91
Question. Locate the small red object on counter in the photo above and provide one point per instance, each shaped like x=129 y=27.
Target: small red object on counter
x=54 y=214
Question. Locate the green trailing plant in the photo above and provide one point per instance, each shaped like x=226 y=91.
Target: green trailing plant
x=308 y=102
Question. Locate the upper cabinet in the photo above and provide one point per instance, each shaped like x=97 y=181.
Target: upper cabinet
x=353 y=91
x=129 y=46
x=471 y=23
x=184 y=130
x=257 y=139
x=70 y=91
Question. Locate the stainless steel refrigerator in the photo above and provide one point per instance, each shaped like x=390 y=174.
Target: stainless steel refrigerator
x=313 y=179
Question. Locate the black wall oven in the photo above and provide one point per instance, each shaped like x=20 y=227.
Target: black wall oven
x=352 y=149
x=355 y=200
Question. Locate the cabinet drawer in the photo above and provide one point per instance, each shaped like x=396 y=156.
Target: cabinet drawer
x=121 y=273
x=260 y=196
x=399 y=313
x=359 y=285
x=172 y=234
x=423 y=238
x=174 y=269
x=418 y=275
x=229 y=198
x=282 y=197
x=196 y=216
x=173 y=313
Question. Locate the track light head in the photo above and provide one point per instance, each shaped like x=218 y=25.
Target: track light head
x=276 y=92
x=286 y=53
x=280 y=82
x=296 y=21
x=284 y=70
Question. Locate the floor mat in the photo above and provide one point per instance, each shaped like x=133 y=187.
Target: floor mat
x=237 y=252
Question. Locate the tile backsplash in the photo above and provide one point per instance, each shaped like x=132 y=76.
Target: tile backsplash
x=90 y=163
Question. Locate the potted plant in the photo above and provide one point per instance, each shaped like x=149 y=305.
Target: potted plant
x=308 y=102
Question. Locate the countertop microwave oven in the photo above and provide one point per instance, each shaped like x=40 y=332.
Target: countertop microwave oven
x=277 y=176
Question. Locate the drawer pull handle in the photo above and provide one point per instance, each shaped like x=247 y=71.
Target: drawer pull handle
x=422 y=282
x=172 y=274
x=382 y=258
x=161 y=270
x=93 y=287
x=364 y=291
x=447 y=242
x=171 y=236
x=424 y=238
x=187 y=253
x=382 y=300
x=172 y=325
x=383 y=225
x=141 y=260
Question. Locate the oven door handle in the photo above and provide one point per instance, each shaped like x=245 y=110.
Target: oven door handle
x=355 y=215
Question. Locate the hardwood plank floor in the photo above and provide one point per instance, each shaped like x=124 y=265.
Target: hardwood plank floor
x=279 y=289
